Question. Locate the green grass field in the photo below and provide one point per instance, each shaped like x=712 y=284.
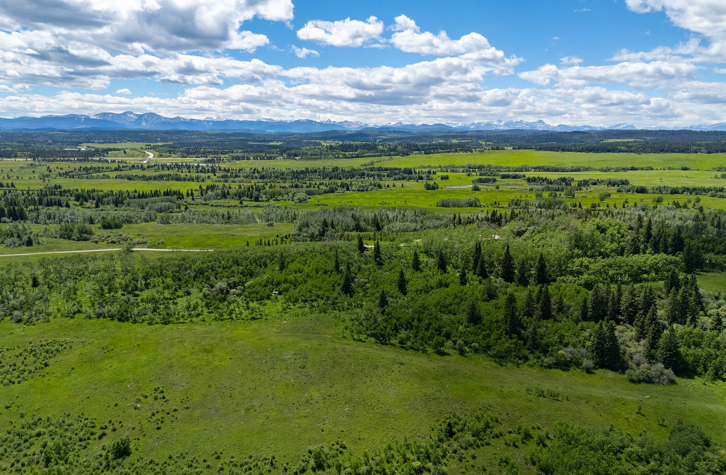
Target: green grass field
x=281 y=385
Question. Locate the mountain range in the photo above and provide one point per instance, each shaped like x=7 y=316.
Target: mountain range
x=152 y=121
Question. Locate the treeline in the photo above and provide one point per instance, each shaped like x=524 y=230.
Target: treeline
x=553 y=288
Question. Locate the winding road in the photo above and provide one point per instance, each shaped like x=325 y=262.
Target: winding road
x=150 y=156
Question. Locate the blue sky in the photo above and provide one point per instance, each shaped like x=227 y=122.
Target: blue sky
x=596 y=62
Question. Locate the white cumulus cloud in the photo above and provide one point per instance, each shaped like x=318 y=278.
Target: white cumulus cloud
x=303 y=52
x=123 y=91
x=344 y=33
x=570 y=60
x=410 y=39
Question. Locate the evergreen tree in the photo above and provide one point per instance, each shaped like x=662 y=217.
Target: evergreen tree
x=695 y=298
x=541 y=276
x=377 y=257
x=674 y=308
x=613 y=307
x=604 y=346
x=382 y=300
x=648 y=232
x=558 y=306
x=462 y=276
x=489 y=291
x=522 y=277
x=477 y=257
x=506 y=269
x=528 y=306
x=402 y=284
x=281 y=262
x=671 y=282
x=545 y=304
x=415 y=262
x=585 y=310
x=633 y=245
x=629 y=305
x=716 y=324
x=653 y=329
x=481 y=270
x=511 y=316
x=677 y=242
x=619 y=299
x=473 y=315
x=361 y=246
x=441 y=262
x=531 y=337
x=646 y=301
x=597 y=304
x=336 y=264
x=689 y=259
x=347 y=287
x=668 y=351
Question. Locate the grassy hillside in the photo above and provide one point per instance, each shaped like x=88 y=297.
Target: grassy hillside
x=281 y=385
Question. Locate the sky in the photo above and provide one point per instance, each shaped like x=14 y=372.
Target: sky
x=577 y=62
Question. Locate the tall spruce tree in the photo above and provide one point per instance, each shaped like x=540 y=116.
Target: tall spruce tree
x=597 y=304
x=648 y=232
x=336 y=263
x=441 y=262
x=402 y=284
x=347 y=287
x=585 y=310
x=463 y=280
x=489 y=291
x=545 y=304
x=654 y=330
x=629 y=305
x=416 y=262
x=382 y=300
x=541 y=276
x=532 y=337
x=646 y=301
x=674 y=308
x=377 y=256
x=528 y=306
x=476 y=258
x=604 y=346
x=613 y=307
x=716 y=324
x=522 y=273
x=672 y=282
x=481 y=270
x=511 y=315
x=506 y=269
x=558 y=305
x=668 y=351
x=473 y=315
x=361 y=246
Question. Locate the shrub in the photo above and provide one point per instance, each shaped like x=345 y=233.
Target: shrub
x=121 y=448
x=459 y=203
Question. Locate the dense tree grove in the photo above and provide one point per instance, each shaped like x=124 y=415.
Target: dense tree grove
x=556 y=287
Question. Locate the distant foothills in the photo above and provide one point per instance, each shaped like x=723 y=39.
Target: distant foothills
x=152 y=121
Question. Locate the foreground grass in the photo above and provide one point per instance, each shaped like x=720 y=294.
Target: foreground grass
x=280 y=385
